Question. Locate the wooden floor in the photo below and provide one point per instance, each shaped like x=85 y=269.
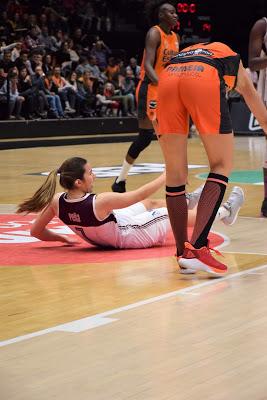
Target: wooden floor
x=135 y=329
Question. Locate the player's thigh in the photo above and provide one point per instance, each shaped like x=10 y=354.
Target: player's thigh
x=204 y=96
x=172 y=115
x=219 y=149
x=174 y=148
x=146 y=230
x=134 y=209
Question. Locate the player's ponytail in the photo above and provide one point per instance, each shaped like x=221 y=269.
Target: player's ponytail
x=69 y=171
x=42 y=197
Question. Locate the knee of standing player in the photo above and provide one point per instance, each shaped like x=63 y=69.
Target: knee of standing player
x=223 y=167
x=142 y=141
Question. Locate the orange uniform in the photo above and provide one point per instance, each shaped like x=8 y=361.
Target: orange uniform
x=146 y=93
x=194 y=84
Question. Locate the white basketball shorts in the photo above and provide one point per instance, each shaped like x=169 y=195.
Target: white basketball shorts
x=140 y=228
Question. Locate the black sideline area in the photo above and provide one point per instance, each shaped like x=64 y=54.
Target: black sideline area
x=41 y=133
x=38 y=133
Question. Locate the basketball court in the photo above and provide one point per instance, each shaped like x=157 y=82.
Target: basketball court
x=84 y=323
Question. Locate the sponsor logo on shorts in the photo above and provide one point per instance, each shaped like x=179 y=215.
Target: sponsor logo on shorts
x=195 y=52
x=186 y=68
x=153 y=104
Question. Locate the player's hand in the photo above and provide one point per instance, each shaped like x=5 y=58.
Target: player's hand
x=69 y=240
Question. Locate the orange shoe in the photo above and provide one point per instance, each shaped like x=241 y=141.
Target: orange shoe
x=202 y=261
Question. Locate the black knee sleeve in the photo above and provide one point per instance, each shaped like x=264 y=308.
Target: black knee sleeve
x=141 y=142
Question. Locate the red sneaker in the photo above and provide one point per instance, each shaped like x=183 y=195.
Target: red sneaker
x=202 y=261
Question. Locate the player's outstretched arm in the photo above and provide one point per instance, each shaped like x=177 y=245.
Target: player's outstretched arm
x=108 y=201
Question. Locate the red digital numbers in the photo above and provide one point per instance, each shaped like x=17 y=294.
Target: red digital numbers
x=193 y=19
x=206 y=27
x=187 y=8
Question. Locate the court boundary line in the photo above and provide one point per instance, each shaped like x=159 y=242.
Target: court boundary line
x=100 y=319
x=243 y=252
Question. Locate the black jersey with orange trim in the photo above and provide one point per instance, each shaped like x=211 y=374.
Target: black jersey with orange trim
x=216 y=54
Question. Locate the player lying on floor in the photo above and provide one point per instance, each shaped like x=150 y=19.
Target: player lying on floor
x=117 y=220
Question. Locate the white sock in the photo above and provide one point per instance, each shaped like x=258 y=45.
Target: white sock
x=125 y=168
x=67 y=104
x=222 y=213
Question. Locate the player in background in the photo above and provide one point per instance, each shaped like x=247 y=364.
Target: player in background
x=257 y=61
x=162 y=43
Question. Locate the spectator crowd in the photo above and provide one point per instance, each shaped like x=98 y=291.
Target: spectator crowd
x=54 y=63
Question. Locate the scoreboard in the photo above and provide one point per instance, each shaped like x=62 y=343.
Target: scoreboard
x=195 y=21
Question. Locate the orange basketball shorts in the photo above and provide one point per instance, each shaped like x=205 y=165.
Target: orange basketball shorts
x=192 y=89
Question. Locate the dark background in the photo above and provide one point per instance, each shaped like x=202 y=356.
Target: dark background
x=231 y=22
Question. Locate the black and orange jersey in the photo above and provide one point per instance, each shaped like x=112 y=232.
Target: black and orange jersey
x=216 y=54
x=168 y=48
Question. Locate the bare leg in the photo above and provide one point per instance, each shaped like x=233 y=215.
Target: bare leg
x=151 y=204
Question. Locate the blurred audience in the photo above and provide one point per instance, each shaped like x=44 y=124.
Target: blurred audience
x=9 y=93
x=55 y=64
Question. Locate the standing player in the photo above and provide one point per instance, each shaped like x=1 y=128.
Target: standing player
x=257 y=60
x=161 y=45
x=195 y=83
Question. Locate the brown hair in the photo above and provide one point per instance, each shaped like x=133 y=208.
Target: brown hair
x=69 y=171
